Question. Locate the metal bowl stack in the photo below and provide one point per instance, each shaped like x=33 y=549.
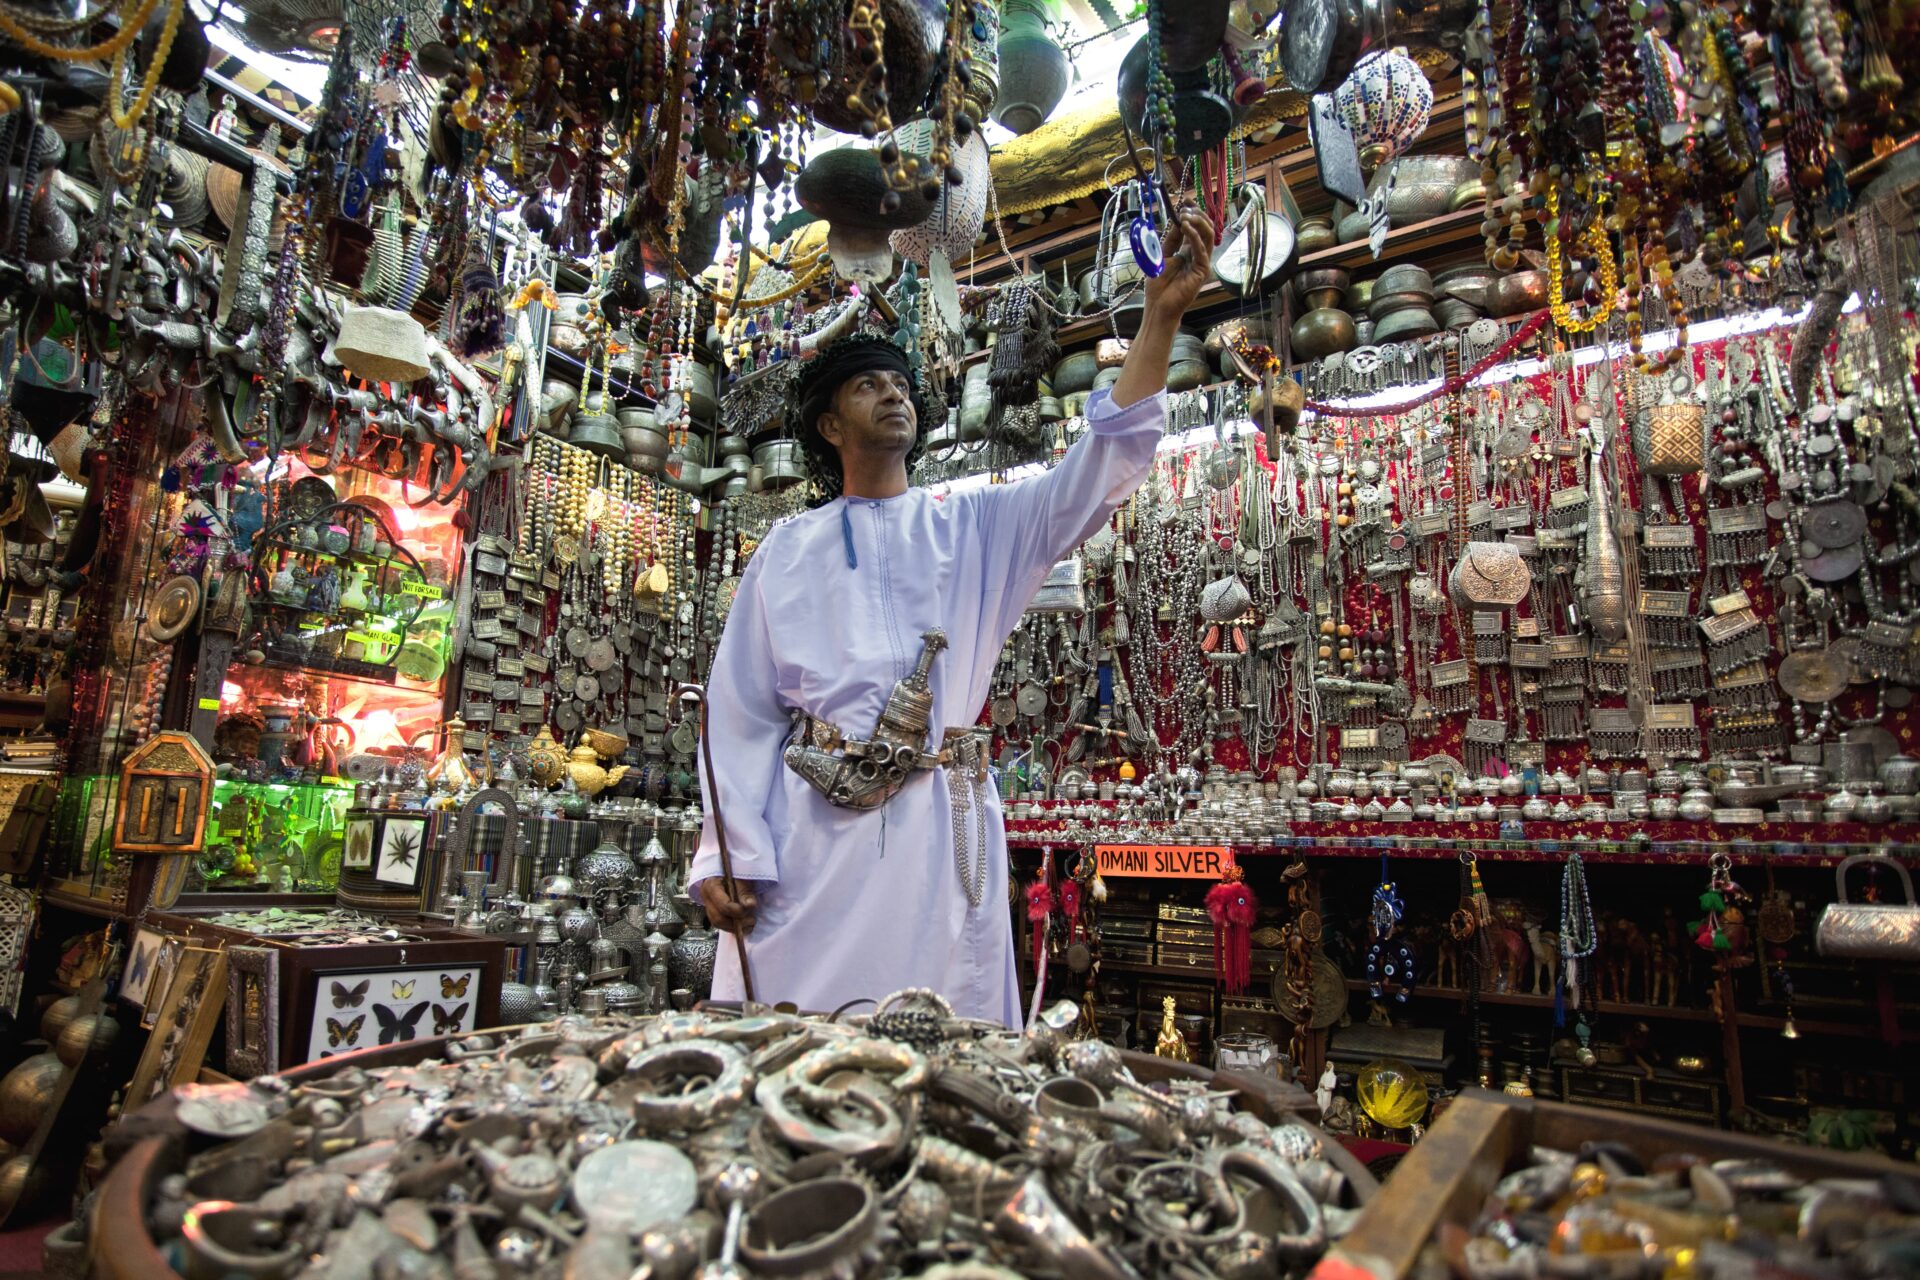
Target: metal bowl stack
x=1401 y=306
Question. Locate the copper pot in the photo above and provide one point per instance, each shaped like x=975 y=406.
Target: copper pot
x=1516 y=293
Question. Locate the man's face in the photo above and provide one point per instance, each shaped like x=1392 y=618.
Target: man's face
x=872 y=415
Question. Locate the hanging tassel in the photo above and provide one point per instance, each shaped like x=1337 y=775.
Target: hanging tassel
x=479 y=325
x=1039 y=909
x=1232 y=907
x=1039 y=913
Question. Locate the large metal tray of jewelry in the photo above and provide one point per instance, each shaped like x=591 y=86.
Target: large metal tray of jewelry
x=1481 y=1136
x=152 y=1143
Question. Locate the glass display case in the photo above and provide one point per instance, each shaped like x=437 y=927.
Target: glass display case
x=273 y=837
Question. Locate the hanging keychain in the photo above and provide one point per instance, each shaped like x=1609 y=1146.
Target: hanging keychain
x=1390 y=958
x=1144 y=232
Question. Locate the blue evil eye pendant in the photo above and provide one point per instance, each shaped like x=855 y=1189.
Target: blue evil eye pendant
x=1144 y=232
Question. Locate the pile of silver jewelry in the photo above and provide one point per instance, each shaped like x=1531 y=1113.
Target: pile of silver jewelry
x=902 y=1142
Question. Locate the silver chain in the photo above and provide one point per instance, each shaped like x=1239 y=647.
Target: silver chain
x=966 y=798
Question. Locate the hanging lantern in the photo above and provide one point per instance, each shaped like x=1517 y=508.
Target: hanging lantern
x=959 y=211
x=1034 y=70
x=1385 y=103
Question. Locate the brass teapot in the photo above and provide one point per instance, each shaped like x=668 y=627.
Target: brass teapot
x=589 y=778
x=546 y=759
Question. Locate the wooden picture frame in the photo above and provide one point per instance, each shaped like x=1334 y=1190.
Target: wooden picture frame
x=165 y=964
x=184 y=1027
x=253 y=1011
x=356 y=851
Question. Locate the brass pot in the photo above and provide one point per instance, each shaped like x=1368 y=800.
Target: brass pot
x=1186 y=375
x=1289 y=397
x=1386 y=304
x=1187 y=346
x=1319 y=299
x=1075 y=373
x=1321 y=332
x=1313 y=235
x=781 y=463
x=1337 y=278
x=598 y=433
x=1410 y=322
x=646 y=448
x=1468 y=283
x=1048 y=409
x=1452 y=313
x=1516 y=293
x=1467 y=194
x=701 y=401
x=976 y=400
x=1222 y=337
x=1405 y=277
x=1360 y=295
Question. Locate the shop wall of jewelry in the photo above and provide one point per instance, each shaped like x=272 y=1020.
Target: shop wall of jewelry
x=476 y=472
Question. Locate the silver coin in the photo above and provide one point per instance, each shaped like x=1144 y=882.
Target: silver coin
x=1834 y=566
x=1004 y=711
x=682 y=740
x=1834 y=524
x=622 y=638
x=632 y=1187
x=1032 y=699
x=577 y=641
x=567 y=717
x=221 y=1110
x=600 y=654
x=587 y=688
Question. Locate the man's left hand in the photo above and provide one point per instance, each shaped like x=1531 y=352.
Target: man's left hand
x=1189 y=249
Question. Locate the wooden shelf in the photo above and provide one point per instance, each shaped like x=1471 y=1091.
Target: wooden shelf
x=1527 y=1000
x=1669 y=844
x=1449 y=229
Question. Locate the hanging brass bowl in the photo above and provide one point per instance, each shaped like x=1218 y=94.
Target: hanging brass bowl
x=25 y=1095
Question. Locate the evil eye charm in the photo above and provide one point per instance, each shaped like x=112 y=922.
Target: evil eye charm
x=1147 y=249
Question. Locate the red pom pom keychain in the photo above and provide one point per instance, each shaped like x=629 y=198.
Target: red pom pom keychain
x=1232 y=908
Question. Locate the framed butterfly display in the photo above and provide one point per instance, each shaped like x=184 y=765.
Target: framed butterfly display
x=368 y=1009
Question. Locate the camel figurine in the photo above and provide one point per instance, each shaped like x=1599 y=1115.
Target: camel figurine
x=1663 y=971
x=1510 y=956
x=1446 y=962
x=1545 y=945
x=1623 y=955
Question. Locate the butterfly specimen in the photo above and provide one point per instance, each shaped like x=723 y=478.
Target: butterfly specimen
x=347 y=1033
x=346 y=997
x=142 y=961
x=446 y=1020
x=449 y=988
x=397 y=1026
x=404 y=990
